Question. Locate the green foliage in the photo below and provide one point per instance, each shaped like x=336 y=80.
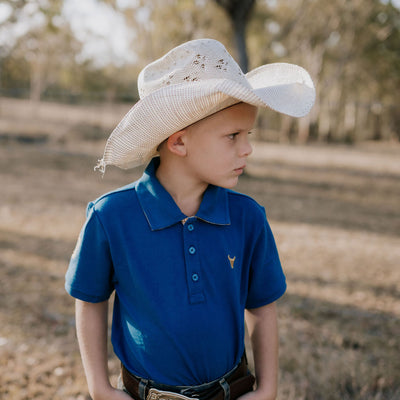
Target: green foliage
x=15 y=76
x=351 y=51
x=349 y=47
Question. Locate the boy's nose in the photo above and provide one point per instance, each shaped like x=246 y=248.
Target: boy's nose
x=246 y=148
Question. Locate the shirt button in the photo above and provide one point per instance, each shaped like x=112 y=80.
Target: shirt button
x=192 y=249
x=190 y=227
x=195 y=277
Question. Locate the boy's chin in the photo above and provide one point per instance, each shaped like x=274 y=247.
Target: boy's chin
x=229 y=185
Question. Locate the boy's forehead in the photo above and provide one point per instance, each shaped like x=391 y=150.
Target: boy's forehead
x=227 y=121
x=238 y=113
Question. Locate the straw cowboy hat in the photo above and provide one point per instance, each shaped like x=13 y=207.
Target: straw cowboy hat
x=191 y=82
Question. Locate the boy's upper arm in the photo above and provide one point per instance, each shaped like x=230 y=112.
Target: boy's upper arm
x=90 y=271
x=267 y=281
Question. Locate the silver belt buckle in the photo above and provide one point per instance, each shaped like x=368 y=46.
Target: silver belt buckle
x=155 y=394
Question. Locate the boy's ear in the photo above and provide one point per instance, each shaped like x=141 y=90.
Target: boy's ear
x=176 y=143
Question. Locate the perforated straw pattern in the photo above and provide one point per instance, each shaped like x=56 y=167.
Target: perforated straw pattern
x=194 y=61
x=192 y=82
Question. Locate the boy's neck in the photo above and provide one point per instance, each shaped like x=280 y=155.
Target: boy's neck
x=186 y=193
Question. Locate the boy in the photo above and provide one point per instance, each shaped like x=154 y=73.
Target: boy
x=186 y=256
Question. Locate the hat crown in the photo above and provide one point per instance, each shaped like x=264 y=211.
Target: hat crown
x=194 y=61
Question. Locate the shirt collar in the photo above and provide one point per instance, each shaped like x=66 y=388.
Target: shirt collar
x=161 y=210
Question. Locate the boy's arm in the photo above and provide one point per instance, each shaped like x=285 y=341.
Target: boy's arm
x=92 y=332
x=263 y=331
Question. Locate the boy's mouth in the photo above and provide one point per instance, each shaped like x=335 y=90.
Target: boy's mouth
x=240 y=169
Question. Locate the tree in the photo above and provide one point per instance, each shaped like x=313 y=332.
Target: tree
x=350 y=49
x=351 y=52
x=239 y=12
x=160 y=25
x=48 y=47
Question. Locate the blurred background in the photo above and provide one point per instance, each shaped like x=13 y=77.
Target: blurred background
x=80 y=52
x=330 y=182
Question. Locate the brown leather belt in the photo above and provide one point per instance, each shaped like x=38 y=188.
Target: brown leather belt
x=232 y=385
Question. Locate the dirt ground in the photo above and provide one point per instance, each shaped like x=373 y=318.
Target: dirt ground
x=335 y=213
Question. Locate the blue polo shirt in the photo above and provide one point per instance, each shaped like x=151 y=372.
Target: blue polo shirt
x=181 y=285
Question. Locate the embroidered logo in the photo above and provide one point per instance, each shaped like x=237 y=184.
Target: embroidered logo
x=231 y=260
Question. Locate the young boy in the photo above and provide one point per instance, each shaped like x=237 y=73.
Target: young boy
x=186 y=256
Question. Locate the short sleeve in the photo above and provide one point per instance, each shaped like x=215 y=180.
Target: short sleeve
x=267 y=281
x=90 y=273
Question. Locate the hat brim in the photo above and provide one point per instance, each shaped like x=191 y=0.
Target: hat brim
x=286 y=88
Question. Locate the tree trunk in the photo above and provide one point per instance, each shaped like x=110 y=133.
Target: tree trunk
x=324 y=122
x=304 y=129
x=286 y=126
x=239 y=28
x=36 y=81
x=239 y=12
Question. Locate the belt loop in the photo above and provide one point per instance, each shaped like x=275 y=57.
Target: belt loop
x=225 y=386
x=142 y=388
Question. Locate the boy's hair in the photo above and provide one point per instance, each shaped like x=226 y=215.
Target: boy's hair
x=162 y=144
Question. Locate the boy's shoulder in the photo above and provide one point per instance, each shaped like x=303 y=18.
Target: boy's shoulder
x=244 y=203
x=114 y=198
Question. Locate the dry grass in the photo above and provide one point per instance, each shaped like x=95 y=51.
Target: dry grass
x=335 y=214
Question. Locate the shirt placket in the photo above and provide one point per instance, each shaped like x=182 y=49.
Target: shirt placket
x=194 y=276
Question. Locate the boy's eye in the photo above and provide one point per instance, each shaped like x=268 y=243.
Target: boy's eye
x=233 y=135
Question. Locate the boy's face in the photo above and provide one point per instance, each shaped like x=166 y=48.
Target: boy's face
x=218 y=146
